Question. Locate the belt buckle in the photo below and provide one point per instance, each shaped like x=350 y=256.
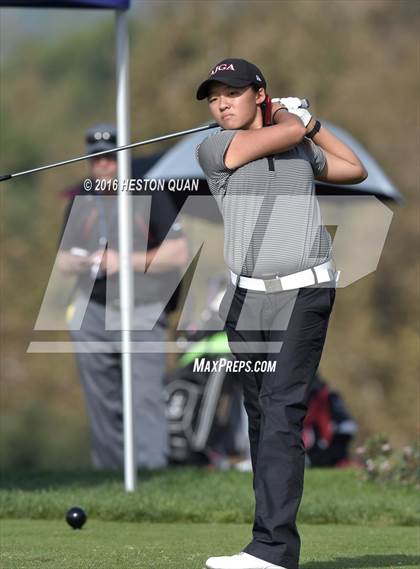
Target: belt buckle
x=328 y=273
x=273 y=285
x=331 y=274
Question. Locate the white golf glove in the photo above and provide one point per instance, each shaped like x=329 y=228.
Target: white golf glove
x=293 y=106
x=304 y=115
x=289 y=102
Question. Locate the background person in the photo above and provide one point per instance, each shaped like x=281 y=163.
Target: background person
x=282 y=287
x=91 y=224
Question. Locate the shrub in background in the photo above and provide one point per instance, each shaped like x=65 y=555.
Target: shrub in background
x=384 y=464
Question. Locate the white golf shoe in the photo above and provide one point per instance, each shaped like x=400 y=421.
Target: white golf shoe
x=240 y=561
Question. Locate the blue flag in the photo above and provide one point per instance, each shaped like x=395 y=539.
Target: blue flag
x=107 y=4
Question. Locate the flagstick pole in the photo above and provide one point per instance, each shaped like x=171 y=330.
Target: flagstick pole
x=125 y=247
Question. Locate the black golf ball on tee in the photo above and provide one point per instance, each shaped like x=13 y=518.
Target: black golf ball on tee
x=76 y=517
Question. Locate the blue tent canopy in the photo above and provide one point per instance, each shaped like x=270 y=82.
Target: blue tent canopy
x=107 y=4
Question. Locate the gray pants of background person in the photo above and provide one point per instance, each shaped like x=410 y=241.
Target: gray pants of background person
x=101 y=378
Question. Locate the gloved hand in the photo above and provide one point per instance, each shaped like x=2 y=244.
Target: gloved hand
x=293 y=106
x=291 y=102
x=304 y=115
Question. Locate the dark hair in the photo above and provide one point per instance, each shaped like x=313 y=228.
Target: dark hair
x=256 y=88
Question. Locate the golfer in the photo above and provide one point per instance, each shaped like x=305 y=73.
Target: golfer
x=261 y=167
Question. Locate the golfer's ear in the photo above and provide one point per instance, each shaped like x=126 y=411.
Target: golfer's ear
x=261 y=95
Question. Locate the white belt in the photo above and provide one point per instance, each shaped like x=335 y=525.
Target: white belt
x=315 y=275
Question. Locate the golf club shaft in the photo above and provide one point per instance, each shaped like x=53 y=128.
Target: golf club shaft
x=305 y=104
x=103 y=152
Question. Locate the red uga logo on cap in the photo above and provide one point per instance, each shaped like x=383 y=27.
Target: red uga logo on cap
x=222 y=67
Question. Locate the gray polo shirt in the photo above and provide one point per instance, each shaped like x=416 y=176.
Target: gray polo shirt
x=272 y=219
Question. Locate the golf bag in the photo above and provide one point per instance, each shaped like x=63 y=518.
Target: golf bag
x=208 y=424
x=206 y=417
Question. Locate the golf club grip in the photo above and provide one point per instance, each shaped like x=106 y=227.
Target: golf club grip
x=304 y=103
x=6 y=177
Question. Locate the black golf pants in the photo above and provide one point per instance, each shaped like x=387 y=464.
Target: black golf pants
x=276 y=401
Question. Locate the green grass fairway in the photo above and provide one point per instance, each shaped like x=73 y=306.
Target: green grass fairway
x=33 y=544
x=331 y=496
x=178 y=517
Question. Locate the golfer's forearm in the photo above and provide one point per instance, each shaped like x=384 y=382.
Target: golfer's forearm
x=329 y=142
x=289 y=128
x=252 y=144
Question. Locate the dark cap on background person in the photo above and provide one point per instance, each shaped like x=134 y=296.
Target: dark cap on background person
x=233 y=72
x=100 y=137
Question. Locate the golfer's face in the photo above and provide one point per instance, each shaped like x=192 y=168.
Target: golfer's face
x=233 y=107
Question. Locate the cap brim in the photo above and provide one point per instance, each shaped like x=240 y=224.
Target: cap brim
x=99 y=147
x=202 y=91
